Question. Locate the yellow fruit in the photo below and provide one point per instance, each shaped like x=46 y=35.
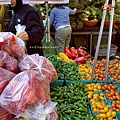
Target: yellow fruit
x=95 y=89
x=93 y=106
x=98 y=116
x=91 y=100
x=106 y=109
x=99 y=87
x=90 y=92
x=113 y=114
x=109 y=114
x=110 y=118
x=101 y=98
x=108 y=106
x=89 y=96
x=101 y=94
x=100 y=107
x=102 y=111
x=95 y=110
x=103 y=104
x=98 y=103
x=102 y=115
x=96 y=95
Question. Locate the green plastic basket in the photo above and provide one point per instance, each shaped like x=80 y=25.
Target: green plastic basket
x=57 y=83
x=71 y=81
x=118 y=116
x=102 y=81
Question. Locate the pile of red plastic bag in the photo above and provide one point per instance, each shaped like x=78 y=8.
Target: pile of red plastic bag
x=24 y=82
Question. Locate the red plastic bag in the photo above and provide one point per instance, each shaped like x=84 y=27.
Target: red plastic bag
x=40 y=64
x=13 y=45
x=4 y=115
x=23 y=91
x=8 y=62
x=5 y=77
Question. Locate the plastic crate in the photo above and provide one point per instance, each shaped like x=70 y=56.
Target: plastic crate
x=102 y=81
x=118 y=86
x=86 y=80
x=109 y=101
x=71 y=81
x=57 y=83
x=50 y=57
x=116 y=83
x=103 y=50
x=117 y=113
x=60 y=76
x=118 y=116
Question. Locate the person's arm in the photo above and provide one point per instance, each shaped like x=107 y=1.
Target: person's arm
x=52 y=17
x=72 y=12
x=34 y=28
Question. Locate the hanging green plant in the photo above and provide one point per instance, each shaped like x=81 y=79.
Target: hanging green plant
x=79 y=22
x=117 y=7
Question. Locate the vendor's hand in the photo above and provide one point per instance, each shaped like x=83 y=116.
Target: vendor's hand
x=23 y=35
x=75 y=9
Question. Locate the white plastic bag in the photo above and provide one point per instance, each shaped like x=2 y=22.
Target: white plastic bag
x=41 y=112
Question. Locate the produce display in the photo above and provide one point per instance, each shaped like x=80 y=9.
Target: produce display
x=72 y=102
x=103 y=99
x=57 y=87
x=25 y=82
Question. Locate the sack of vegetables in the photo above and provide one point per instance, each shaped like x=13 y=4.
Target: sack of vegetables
x=14 y=46
x=5 y=77
x=26 y=89
x=39 y=64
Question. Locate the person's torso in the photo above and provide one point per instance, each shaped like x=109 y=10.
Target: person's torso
x=20 y=18
x=61 y=17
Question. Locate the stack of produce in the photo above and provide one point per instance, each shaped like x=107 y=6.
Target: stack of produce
x=74 y=55
x=97 y=94
x=78 y=55
x=72 y=102
x=113 y=70
x=25 y=82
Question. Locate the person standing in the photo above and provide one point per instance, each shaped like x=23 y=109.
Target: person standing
x=29 y=16
x=59 y=19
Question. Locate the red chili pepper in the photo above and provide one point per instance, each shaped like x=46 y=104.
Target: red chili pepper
x=68 y=53
x=80 y=60
x=74 y=52
x=88 y=56
x=81 y=52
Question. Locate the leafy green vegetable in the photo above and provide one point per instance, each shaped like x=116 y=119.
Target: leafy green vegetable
x=92 y=13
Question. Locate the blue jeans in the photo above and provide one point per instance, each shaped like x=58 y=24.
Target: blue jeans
x=62 y=38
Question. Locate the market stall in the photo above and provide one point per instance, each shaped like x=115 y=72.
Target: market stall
x=71 y=85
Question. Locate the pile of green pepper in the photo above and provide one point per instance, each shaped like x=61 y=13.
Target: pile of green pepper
x=52 y=58
x=60 y=68
x=71 y=71
x=72 y=101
